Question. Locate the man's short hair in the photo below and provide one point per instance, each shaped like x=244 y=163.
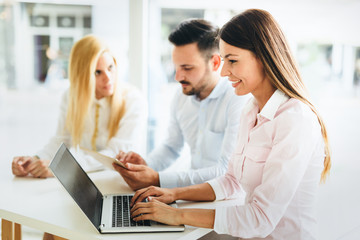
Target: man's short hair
x=199 y=31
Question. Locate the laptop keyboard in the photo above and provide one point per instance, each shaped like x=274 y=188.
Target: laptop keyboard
x=121 y=213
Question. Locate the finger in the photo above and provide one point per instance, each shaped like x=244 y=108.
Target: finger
x=123 y=172
x=26 y=161
x=135 y=167
x=129 y=156
x=120 y=155
x=36 y=171
x=32 y=166
x=136 y=198
x=37 y=167
x=36 y=174
x=17 y=159
x=147 y=193
x=18 y=170
x=147 y=216
x=153 y=199
x=145 y=209
x=16 y=165
x=137 y=206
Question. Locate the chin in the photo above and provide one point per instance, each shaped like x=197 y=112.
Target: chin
x=110 y=94
x=240 y=93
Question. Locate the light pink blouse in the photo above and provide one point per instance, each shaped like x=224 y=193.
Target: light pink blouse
x=278 y=164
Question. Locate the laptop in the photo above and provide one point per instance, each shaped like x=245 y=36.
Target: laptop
x=108 y=213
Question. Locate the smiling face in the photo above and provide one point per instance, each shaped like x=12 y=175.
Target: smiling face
x=243 y=69
x=105 y=75
x=193 y=72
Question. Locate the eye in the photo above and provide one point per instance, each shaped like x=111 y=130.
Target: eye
x=232 y=61
x=97 y=72
x=188 y=68
x=111 y=67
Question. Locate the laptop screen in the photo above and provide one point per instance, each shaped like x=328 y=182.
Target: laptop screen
x=78 y=184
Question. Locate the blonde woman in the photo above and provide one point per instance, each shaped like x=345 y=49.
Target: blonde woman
x=97 y=112
x=282 y=150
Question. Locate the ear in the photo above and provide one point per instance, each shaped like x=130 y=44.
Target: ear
x=215 y=61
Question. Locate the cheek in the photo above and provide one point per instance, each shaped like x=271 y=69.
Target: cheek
x=197 y=76
x=98 y=83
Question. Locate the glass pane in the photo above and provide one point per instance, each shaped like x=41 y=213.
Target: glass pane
x=66 y=21
x=39 y=21
x=87 y=22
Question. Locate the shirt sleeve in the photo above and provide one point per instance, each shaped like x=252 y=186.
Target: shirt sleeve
x=61 y=135
x=169 y=150
x=197 y=176
x=297 y=139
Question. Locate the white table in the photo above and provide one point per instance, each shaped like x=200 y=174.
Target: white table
x=44 y=204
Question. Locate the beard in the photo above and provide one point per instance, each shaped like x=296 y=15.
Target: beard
x=201 y=85
x=189 y=90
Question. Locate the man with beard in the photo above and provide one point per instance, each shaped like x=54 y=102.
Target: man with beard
x=205 y=115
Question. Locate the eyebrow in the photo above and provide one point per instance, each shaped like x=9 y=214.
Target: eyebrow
x=229 y=55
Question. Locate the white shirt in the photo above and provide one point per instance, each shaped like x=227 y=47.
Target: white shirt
x=209 y=127
x=129 y=137
x=278 y=163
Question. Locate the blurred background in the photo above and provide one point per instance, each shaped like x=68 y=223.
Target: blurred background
x=36 y=38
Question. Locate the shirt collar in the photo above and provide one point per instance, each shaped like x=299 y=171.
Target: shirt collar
x=273 y=104
x=102 y=102
x=217 y=92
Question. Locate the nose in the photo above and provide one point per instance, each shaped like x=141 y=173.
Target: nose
x=107 y=77
x=179 y=75
x=224 y=71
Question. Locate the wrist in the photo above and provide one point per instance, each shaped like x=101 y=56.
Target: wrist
x=180 y=216
x=157 y=180
x=176 y=193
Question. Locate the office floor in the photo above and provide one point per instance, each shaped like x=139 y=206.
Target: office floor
x=28 y=118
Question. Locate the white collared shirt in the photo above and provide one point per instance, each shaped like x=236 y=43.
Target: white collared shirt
x=278 y=164
x=209 y=127
x=132 y=128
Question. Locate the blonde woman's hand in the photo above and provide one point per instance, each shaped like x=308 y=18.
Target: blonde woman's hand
x=39 y=168
x=19 y=165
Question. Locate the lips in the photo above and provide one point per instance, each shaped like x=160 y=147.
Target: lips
x=235 y=83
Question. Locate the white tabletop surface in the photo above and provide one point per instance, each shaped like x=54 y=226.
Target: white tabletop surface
x=44 y=204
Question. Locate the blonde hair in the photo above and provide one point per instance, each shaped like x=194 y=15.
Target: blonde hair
x=257 y=31
x=82 y=66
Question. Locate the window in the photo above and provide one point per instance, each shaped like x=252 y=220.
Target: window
x=66 y=21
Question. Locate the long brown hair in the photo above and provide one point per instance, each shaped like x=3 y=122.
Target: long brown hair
x=257 y=31
x=82 y=65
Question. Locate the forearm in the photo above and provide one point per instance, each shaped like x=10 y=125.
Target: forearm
x=199 y=192
x=197 y=217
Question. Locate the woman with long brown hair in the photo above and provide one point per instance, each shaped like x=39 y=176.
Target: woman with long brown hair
x=282 y=150
x=98 y=112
